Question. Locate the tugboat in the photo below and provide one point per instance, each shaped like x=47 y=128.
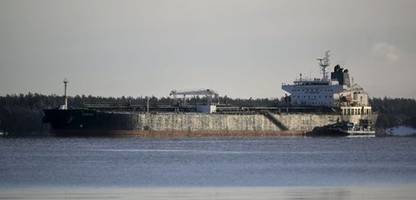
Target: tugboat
x=343 y=129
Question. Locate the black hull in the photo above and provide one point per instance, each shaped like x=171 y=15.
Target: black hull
x=94 y=123
x=327 y=132
x=86 y=122
x=89 y=120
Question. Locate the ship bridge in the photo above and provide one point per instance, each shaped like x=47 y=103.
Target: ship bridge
x=319 y=91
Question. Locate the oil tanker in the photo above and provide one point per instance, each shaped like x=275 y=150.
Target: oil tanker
x=329 y=105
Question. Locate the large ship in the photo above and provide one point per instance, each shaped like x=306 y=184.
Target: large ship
x=330 y=105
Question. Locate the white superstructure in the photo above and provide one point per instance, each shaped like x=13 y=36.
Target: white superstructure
x=333 y=91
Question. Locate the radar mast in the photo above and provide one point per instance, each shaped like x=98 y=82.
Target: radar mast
x=324 y=63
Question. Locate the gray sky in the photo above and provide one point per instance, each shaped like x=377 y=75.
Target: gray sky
x=241 y=48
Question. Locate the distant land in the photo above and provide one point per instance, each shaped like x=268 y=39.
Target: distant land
x=22 y=114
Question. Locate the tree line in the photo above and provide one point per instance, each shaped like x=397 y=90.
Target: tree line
x=22 y=114
x=394 y=112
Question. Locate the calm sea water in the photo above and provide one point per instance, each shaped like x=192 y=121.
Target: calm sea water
x=206 y=163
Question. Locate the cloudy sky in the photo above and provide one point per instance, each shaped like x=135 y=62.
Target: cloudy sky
x=241 y=48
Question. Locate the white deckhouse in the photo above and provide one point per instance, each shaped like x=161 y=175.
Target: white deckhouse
x=334 y=91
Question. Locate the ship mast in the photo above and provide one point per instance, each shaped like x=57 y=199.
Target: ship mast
x=324 y=63
x=65 y=106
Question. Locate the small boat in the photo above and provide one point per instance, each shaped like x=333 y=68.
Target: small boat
x=343 y=129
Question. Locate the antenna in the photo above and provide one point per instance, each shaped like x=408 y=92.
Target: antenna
x=65 y=106
x=324 y=63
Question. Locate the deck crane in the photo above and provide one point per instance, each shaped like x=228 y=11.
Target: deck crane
x=208 y=93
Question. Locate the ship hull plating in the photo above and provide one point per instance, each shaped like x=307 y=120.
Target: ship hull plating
x=84 y=122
